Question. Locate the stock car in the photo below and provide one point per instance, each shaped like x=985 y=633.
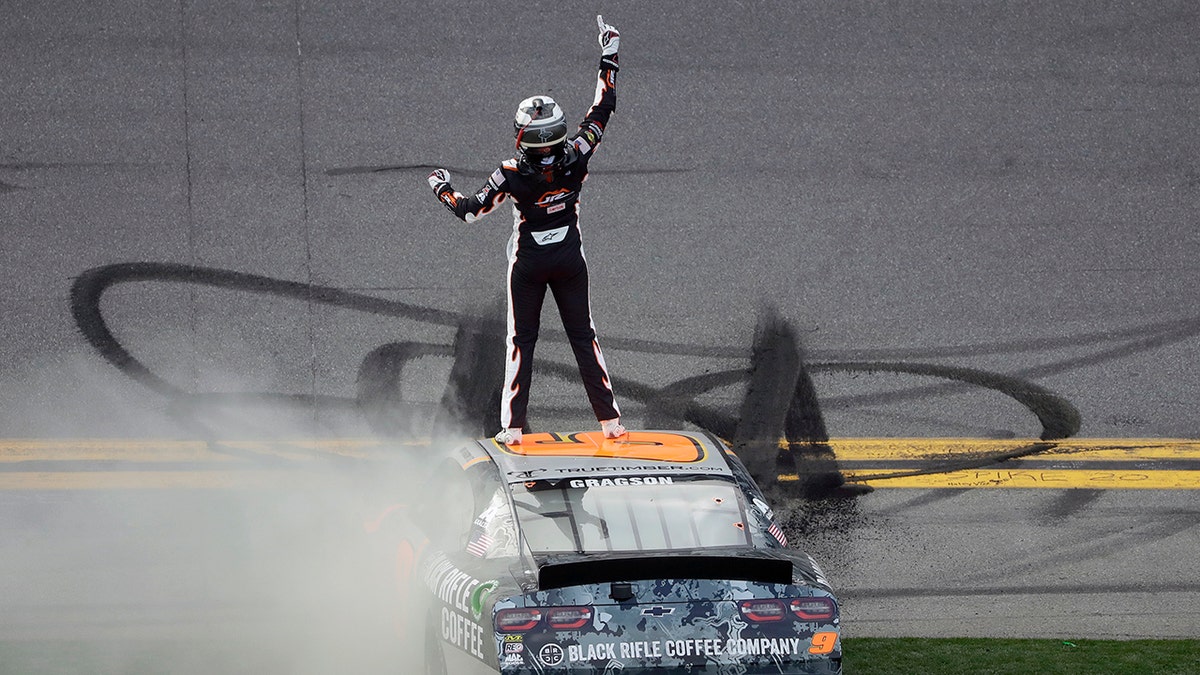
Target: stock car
x=571 y=553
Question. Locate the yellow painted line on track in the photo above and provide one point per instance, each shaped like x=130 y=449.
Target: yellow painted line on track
x=71 y=464
x=1104 y=449
x=144 y=480
x=913 y=463
x=156 y=464
x=106 y=450
x=1049 y=479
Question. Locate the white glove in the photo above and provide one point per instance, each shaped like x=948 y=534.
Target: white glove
x=610 y=38
x=438 y=178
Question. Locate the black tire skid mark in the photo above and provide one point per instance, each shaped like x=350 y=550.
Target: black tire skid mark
x=1143 y=339
x=90 y=285
x=476 y=173
x=1059 y=419
x=88 y=288
x=1190 y=326
x=780 y=401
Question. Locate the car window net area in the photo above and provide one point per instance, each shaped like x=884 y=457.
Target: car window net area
x=609 y=516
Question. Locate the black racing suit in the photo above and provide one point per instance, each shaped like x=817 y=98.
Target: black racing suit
x=546 y=250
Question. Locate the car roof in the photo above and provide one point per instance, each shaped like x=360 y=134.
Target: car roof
x=550 y=456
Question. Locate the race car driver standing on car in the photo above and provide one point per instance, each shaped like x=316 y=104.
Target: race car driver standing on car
x=546 y=250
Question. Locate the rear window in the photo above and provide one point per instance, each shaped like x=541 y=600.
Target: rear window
x=649 y=513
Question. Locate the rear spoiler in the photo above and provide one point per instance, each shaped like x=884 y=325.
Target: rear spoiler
x=604 y=569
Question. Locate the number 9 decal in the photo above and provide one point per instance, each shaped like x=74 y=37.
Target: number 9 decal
x=823 y=642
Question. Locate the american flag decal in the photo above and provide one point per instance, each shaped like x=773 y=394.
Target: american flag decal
x=479 y=545
x=777 y=533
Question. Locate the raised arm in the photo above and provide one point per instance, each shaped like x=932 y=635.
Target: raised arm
x=591 y=130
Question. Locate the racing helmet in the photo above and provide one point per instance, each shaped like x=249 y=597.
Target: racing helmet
x=541 y=131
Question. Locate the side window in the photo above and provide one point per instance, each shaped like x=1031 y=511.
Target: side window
x=492 y=532
x=448 y=506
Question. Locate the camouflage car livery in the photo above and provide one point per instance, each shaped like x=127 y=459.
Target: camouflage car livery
x=653 y=553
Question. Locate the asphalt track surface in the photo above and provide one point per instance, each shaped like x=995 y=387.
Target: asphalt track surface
x=814 y=221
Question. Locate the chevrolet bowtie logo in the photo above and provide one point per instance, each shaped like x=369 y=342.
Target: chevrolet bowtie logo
x=658 y=611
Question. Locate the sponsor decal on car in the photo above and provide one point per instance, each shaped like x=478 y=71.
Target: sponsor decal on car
x=551 y=655
x=604 y=650
x=479 y=544
x=620 y=480
x=650 y=649
x=463 y=596
x=452 y=585
x=460 y=631
x=777 y=533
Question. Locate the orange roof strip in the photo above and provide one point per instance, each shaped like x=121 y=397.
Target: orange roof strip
x=640 y=445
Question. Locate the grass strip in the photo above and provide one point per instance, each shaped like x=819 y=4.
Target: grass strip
x=990 y=656
x=863 y=656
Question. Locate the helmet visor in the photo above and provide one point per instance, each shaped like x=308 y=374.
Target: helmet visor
x=543 y=155
x=544 y=151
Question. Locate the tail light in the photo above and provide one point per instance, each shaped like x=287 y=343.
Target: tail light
x=558 y=618
x=813 y=609
x=761 y=611
x=517 y=620
x=568 y=618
